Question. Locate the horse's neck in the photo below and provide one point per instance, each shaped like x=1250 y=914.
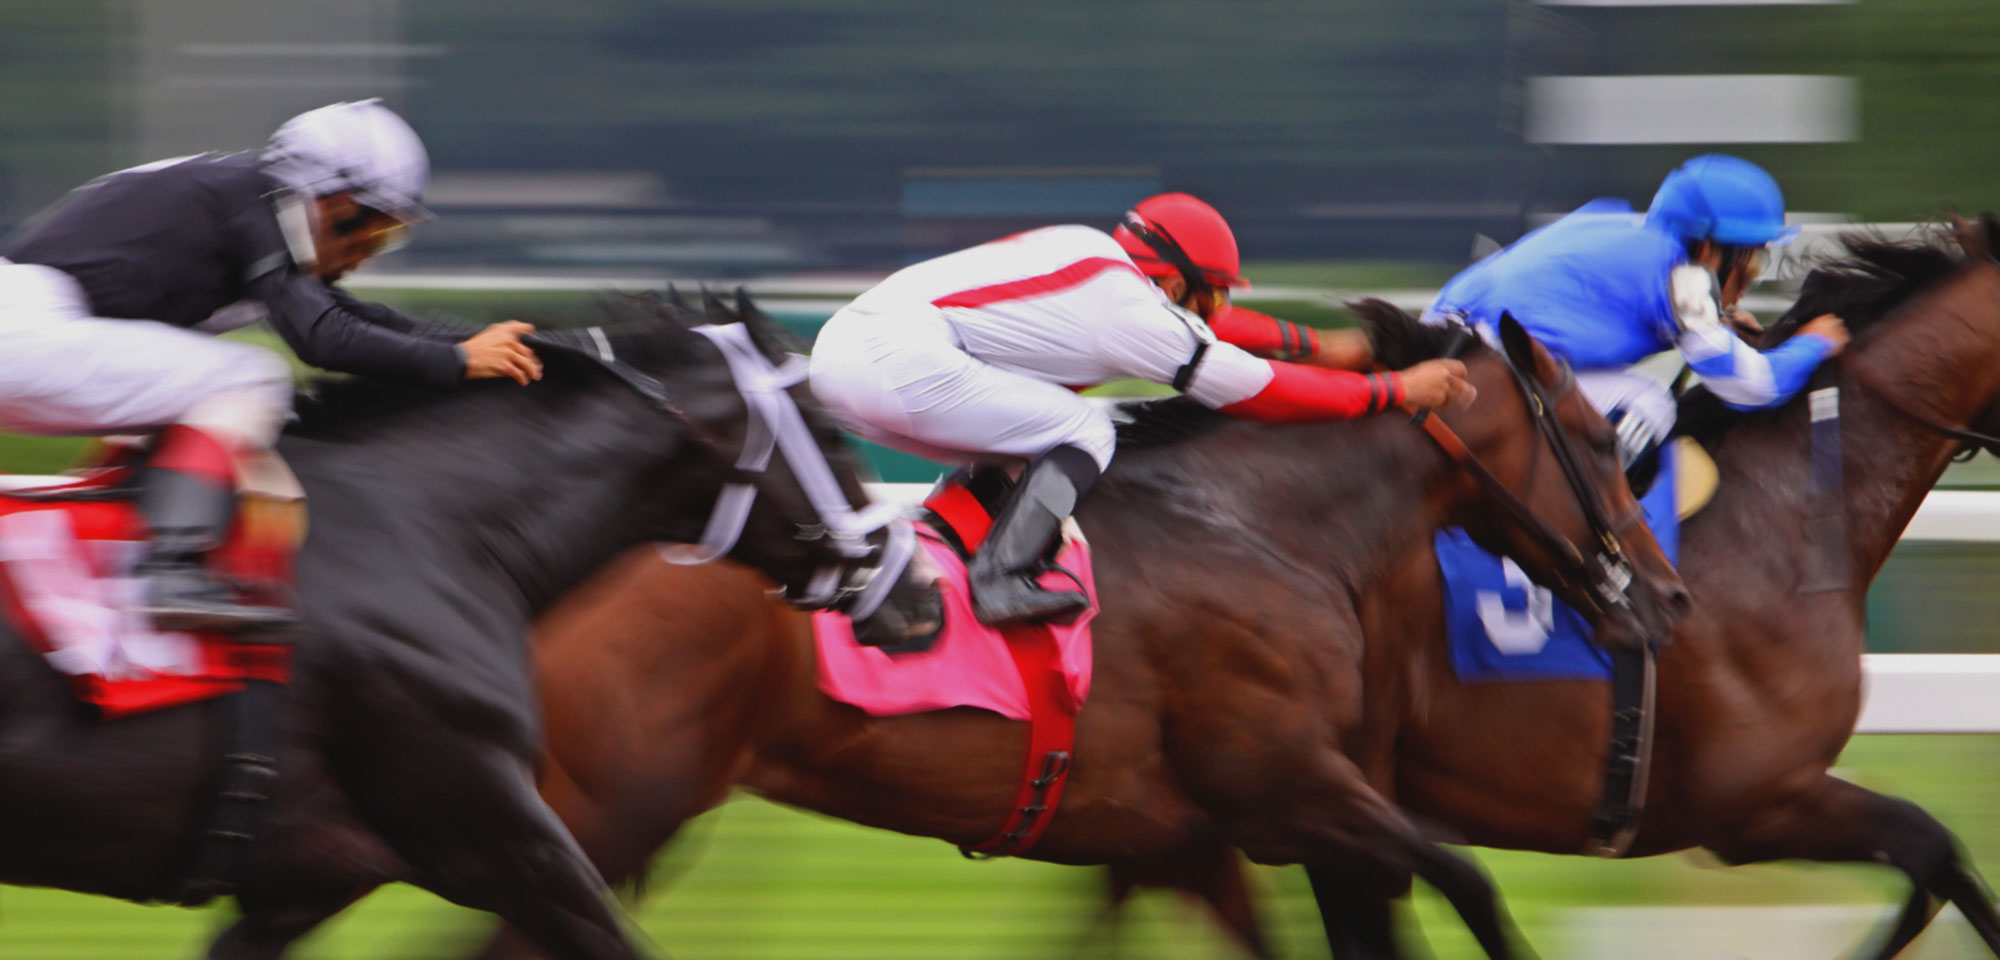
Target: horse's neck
x=1351 y=497
x=535 y=505
x=1889 y=460
x=1933 y=368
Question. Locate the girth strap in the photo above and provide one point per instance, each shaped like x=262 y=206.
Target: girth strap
x=1626 y=766
x=251 y=718
x=1051 y=743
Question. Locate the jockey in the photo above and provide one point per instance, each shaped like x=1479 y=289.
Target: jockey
x=978 y=354
x=107 y=300
x=1603 y=292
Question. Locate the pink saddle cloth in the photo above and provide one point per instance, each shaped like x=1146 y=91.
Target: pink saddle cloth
x=970 y=665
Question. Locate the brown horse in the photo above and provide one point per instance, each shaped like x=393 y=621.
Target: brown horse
x=1759 y=691
x=1230 y=559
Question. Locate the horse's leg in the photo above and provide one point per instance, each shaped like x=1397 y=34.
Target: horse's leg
x=266 y=931
x=1360 y=921
x=1338 y=822
x=1209 y=872
x=1838 y=822
x=466 y=816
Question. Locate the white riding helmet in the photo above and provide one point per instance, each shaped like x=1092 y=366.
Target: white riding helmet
x=360 y=147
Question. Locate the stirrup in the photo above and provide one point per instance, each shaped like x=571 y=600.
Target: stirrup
x=1016 y=598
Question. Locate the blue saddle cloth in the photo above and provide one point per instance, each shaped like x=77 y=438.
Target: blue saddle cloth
x=1502 y=627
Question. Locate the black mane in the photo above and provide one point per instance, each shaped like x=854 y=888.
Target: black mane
x=1400 y=340
x=643 y=329
x=1861 y=288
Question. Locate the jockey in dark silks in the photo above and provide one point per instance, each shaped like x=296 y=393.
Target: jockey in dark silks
x=108 y=299
x=1603 y=291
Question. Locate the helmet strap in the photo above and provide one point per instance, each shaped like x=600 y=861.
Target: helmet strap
x=1169 y=250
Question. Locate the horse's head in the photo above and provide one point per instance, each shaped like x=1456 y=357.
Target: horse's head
x=1543 y=484
x=792 y=503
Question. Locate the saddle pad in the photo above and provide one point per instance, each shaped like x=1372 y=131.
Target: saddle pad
x=65 y=576
x=1500 y=626
x=969 y=666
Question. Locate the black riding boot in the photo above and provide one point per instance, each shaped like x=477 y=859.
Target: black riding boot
x=1003 y=571
x=189 y=513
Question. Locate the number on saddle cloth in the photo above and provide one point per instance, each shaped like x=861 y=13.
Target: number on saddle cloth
x=1501 y=626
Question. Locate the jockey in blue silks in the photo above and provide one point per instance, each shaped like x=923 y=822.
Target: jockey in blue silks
x=1604 y=291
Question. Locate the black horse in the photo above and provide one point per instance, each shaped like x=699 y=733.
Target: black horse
x=442 y=523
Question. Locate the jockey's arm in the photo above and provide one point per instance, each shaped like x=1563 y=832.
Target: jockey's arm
x=328 y=334
x=1738 y=374
x=1273 y=339
x=1149 y=340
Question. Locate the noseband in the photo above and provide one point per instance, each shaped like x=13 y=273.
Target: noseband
x=1606 y=571
x=854 y=584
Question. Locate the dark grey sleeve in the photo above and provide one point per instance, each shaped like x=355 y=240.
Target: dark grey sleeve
x=333 y=331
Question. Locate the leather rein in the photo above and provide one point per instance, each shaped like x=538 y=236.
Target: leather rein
x=1606 y=571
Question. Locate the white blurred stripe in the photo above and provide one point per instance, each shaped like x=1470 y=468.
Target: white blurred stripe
x=1711 y=108
x=337 y=50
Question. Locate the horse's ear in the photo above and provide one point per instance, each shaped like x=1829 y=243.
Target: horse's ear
x=1519 y=345
x=714 y=309
x=771 y=337
x=1972 y=237
x=675 y=299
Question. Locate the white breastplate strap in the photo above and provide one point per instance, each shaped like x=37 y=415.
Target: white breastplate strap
x=775 y=425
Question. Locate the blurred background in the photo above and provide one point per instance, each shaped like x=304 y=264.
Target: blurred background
x=806 y=147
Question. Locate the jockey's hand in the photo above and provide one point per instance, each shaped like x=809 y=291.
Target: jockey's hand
x=1436 y=384
x=1829 y=326
x=1344 y=350
x=1744 y=323
x=497 y=351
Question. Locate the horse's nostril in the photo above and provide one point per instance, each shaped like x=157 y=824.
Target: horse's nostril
x=1679 y=603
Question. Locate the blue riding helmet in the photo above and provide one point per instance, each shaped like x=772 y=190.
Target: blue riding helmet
x=1722 y=198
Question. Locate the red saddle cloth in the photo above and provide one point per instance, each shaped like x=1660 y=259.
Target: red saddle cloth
x=67 y=587
x=1039 y=673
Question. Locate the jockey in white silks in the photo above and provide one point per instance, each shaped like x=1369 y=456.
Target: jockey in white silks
x=978 y=355
x=108 y=303
x=1603 y=292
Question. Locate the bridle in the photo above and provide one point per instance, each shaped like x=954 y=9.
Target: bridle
x=1605 y=571
x=859 y=580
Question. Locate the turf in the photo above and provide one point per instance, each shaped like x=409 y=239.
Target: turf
x=756 y=882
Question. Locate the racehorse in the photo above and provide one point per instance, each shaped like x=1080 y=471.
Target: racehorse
x=1761 y=686
x=1230 y=558
x=443 y=521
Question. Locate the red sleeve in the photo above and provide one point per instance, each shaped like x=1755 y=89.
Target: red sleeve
x=1265 y=335
x=1297 y=393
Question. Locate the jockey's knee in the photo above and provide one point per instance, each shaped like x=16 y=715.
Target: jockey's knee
x=250 y=402
x=1639 y=408
x=1098 y=437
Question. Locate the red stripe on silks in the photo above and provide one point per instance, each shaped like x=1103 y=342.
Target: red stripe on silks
x=963 y=513
x=185 y=449
x=1073 y=275
x=1051 y=742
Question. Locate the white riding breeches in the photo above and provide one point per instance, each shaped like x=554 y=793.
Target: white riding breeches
x=903 y=381
x=1641 y=408
x=64 y=372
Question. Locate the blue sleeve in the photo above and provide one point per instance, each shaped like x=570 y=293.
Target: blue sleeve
x=1792 y=364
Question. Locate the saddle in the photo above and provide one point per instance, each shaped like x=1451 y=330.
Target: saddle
x=68 y=546
x=1037 y=673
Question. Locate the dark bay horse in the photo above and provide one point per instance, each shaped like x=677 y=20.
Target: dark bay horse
x=443 y=522
x=1231 y=558
x=1759 y=691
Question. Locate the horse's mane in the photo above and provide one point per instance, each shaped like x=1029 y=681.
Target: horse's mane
x=1400 y=340
x=641 y=328
x=1861 y=287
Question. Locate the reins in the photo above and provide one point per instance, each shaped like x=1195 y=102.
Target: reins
x=1606 y=571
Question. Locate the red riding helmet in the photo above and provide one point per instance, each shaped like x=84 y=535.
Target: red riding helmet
x=1176 y=235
